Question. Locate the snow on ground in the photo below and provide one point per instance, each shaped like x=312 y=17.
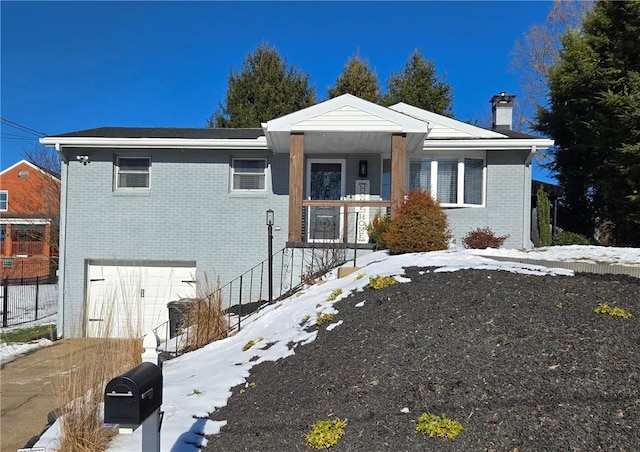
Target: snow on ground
x=196 y=383
x=573 y=253
x=9 y=352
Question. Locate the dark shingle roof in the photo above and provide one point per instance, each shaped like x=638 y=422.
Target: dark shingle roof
x=166 y=132
x=513 y=133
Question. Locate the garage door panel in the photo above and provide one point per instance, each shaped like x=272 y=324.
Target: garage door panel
x=125 y=301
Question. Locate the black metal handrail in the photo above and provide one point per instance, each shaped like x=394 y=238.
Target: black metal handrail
x=245 y=295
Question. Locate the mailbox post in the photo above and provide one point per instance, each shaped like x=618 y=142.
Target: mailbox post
x=134 y=398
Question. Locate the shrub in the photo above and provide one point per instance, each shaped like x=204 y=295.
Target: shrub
x=544 y=218
x=482 y=238
x=335 y=294
x=380 y=282
x=323 y=318
x=613 y=311
x=378 y=226
x=325 y=434
x=420 y=225
x=441 y=426
x=570 y=238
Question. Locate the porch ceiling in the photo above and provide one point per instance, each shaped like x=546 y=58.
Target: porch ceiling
x=345 y=142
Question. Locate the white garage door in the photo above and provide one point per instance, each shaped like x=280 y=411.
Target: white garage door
x=129 y=300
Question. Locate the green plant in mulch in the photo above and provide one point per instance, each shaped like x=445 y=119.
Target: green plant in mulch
x=325 y=434
x=359 y=276
x=251 y=343
x=335 y=294
x=613 y=311
x=195 y=392
x=380 y=282
x=324 y=318
x=29 y=334
x=440 y=426
x=304 y=320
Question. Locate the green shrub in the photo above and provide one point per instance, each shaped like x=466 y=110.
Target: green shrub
x=544 y=218
x=325 y=434
x=441 y=426
x=613 y=311
x=570 y=238
x=323 y=318
x=251 y=343
x=419 y=225
x=335 y=294
x=380 y=282
x=378 y=226
x=483 y=238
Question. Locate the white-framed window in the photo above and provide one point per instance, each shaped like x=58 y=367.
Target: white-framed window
x=456 y=181
x=4 y=200
x=248 y=174
x=132 y=172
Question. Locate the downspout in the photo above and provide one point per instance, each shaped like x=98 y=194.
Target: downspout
x=526 y=205
x=63 y=244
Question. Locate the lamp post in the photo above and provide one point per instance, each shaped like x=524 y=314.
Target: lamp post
x=270 y=219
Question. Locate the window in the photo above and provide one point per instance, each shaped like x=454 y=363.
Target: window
x=7 y=262
x=456 y=181
x=4 y=200
x=248 y=174
x=133 y=172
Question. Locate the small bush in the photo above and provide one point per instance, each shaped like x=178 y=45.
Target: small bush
x=251 y=343
x=378 y=226
x=380 y=282
x=483 y=238
x=325 y=434
x=441 y=426
x=420 y=225
x=569 y=238
x=323 y=318
x=335 y=294
x=613 y=311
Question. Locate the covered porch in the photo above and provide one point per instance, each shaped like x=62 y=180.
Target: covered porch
x=347 y=161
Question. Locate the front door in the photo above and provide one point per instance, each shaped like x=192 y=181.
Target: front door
x=325 y=181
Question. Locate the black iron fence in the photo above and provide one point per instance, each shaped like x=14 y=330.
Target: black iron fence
x=242 y=298
x=28 y=299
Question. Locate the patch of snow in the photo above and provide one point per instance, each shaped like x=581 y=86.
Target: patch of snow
x=361 y=304
x=11 y=351
x=571 y=253
x=405 y=410
x=334 y=325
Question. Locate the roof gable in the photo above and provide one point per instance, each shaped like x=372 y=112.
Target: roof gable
x=444 y=127
x=347 y=113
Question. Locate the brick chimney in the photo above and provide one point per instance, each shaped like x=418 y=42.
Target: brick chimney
x=502 y=108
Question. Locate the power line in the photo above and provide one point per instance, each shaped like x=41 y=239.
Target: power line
x=23 y=128
x=10 y=136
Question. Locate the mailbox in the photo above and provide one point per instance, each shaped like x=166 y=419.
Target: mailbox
x=133 y=396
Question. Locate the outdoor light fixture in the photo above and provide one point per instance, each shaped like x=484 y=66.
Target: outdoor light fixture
x=362 y=168
x=84 y=159
x=269 y=217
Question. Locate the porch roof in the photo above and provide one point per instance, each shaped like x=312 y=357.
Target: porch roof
x=345 y=124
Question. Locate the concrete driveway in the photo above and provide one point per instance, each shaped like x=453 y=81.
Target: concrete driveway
x=28 y=386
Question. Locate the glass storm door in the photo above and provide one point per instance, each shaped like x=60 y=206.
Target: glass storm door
x=325 y=181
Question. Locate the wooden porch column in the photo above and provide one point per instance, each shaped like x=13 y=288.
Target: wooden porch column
x=296 y=169
x=398 y=171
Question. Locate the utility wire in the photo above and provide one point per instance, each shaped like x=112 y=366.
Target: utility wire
x=23 y=128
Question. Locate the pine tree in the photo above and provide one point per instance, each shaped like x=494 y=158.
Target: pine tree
x=593 y=115
x=419 y=85
x=265 y=88
x=358 y=79
x=544 y=218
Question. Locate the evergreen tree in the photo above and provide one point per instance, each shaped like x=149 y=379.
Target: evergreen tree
x=418 y=84
x=593 y=115
x=358 y=79
x=265 y=88
x=544 y=218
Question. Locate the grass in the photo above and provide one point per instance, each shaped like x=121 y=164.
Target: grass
x=29 y=334
x=205 y=320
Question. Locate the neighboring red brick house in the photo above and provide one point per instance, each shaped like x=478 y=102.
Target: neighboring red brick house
x=29 y=219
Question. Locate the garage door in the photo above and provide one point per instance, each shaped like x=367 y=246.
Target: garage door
x=129 y=300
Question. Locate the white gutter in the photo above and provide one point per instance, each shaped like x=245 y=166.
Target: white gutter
x=505 y=144
x=155 y=143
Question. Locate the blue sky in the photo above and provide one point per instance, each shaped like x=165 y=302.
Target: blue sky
x=77 y=65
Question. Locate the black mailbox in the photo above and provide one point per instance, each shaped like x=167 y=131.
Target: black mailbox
x=133 y=396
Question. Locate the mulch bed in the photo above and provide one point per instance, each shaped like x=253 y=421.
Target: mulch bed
x=521 y=361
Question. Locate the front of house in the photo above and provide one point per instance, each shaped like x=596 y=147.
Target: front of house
x=146 y=212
